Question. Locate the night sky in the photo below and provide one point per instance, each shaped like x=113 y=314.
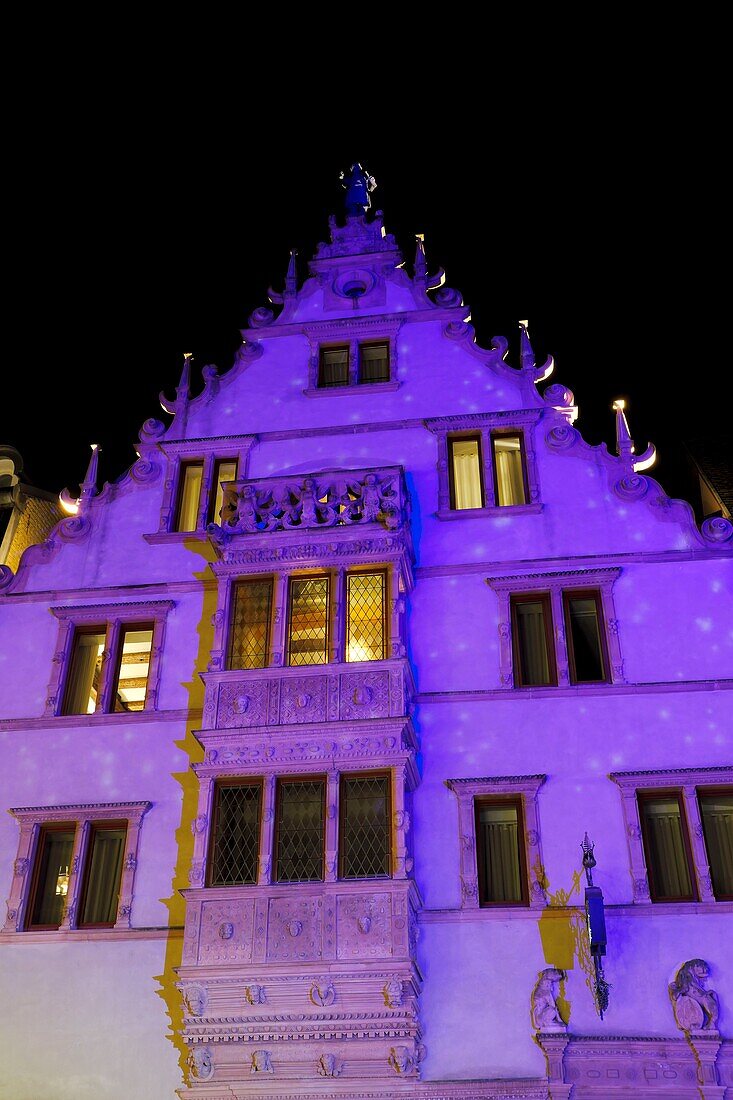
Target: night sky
x=135 y=260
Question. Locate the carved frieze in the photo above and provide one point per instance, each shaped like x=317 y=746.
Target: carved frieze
x=364 y=926
x=294 y=929
x=226 y=931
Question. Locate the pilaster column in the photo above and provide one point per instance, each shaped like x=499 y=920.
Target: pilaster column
x=279 y=616
x=108 y=671
x=78 y=859
x=705 y=1046
x=561 y=648
x=487 y=471
x=640 y=882
x=337 y=646
x=553 y=1044
x=400 y=823
x=267 y=854
x=697 y=840
x=20 y=884
x=332 y=823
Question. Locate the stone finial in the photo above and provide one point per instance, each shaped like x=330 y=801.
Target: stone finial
x=527 y=359
x=87 y=489
x=179 y=406
x=545 y=1011
x=695 y=1007
x=291 y=279
x=625 y=444
x=421 y=265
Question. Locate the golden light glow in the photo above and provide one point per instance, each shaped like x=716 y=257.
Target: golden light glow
x=69 y=505
x=619 y=405
x=62 y=882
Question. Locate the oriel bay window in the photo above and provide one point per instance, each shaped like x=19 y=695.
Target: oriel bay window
x=235 y=834
x=249 y=634
x=299 y=829
x=308 y=620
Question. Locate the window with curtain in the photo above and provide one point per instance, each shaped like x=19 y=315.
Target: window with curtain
x=665 y=848
x=225 y=470
x=500 y=852
x=364 y=834
x=131 y=686
x=51 y=877
x=299 y=830
x=334 y=367
x=365 y=616
x=509 y=469
x=466 y=484
x=716 y=812
x=534 y=664
x=249 y=637
x=101 y=886
x=235 y=837
x=82 y=682
x=308 y=621
x=583 y=618
x=189 y=495
x=373 y=363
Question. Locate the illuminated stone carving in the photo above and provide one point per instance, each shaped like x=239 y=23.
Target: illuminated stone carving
x=695 y=1007
x=545 y=1011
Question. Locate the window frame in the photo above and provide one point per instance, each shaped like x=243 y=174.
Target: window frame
x=688 y=781
x=32 y=821
x=515 y=800
x=219 y=461
x=366 y=773
x=465 y=437
x=234 y=781
x=499 y=433
x=373 y=344
x=315 y=576
x=298 y=777
x=187 y=464
x=513 y=588
x=382 y=571
x=114 y=619
x=568 y=593
x=521 y=788
x=326 y=347
x=257 y=578
x=651 y=796
x=354 y=334
x=545 y=600
x=94 y=828
x=43 y=832
x=701 y=791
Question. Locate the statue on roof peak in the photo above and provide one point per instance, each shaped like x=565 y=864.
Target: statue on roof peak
x=358 y=185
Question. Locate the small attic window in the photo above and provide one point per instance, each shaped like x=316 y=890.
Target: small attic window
x=334 y=366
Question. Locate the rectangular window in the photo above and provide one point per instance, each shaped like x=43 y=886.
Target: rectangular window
x=664 y=834
x=101 y=889
x=365 y=618
x=82 y=684
x=308 y=631
x=189 y=495
x=534 y=660
x=364 y=833
x=131 y=686
x=373 y=363
x=716 y=811
x=466 y=484
x=509 y=472
x=500 y=852
x=51 y=880
x=334 y=367
x=225 y=470
x=583 y=629
x=235 y=834
x=299 y=832
x=249 y=640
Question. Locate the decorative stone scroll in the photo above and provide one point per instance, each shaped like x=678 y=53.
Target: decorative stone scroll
x=316 y=501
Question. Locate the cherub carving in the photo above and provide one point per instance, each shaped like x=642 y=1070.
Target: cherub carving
x=400 y=1060
x=327 y=1066
x=200 y=1063
x=545 y=1012
x=695 y=1007
x=392 y=993
x=261 y=1062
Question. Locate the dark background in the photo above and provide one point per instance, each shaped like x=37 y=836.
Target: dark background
x=139 y=250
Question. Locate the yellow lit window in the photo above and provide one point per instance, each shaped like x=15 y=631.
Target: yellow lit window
x=508 y=469
x=188 y=496
x=225 y=471
x=365 y=627
x=132 y=678
x=82 y=685
x=465 y=468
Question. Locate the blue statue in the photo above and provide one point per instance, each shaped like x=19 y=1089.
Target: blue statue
x=358 y=184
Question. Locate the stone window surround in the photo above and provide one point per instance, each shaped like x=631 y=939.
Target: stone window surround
x=467 y=791
x=687 y=781
x=521 y=421
x=367 y=330
x=402 y=781
x=208 y=452
x=113 y=616
x=394 y=611
x=554 y=584
x=32 y=819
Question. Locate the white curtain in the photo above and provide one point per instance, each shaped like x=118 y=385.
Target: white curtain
x=500 y=856
x=509 y=476
x=466 y=474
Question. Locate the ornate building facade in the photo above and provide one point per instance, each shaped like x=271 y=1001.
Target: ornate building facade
x=311 y=715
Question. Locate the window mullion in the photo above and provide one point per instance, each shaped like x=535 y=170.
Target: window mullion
x=353 y=362
x=202 y=514
x=267 y=833
x=487 y=469
x=70 y=918
x=558 y=637
x=338 y=613
x=109 y=666
x=332 y=825
x=279 y=616
x=701 y=867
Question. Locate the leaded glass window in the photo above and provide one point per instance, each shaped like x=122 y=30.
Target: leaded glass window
x=249 y=638
x=299 y=834
x=365 y=626
x=308 y=621
x=101 y=889
x=364 y=838
x=235 y=834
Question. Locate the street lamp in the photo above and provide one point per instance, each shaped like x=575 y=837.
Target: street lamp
x=596 y=924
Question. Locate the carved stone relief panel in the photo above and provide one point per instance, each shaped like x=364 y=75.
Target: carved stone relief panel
x=364 y=695
x=303 y=699
x=294 y=931
x=226 y=931
x=364 y=926
x=243 y=704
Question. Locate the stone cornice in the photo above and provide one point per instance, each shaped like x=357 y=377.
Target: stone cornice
x=674 y=777
x=85 y=809
x=86 y=612
x=518 y=781
x=467 y=421
x=481 y=695
x=555 y=577
x=65 y=721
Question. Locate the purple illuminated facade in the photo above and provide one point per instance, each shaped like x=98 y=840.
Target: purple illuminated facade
x=305 y=719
